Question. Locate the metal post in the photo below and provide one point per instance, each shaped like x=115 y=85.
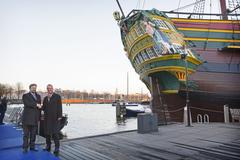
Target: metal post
x=187 y=95
x=226 y=113
x=184 y=56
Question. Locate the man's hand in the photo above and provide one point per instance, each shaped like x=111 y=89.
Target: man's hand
x=39 y=106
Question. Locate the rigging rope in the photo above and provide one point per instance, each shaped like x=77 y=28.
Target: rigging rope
x=187 y=6
x=232 y=5
x=179 y=2
x=206 y=42
x=209 y=110
x=197 y=108
x=199 y=8
x=138 y=4
x=143 y=4
x=172 y=111
x=236 y=13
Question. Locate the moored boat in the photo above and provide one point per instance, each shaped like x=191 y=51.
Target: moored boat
x=133 y=111
x=125 y=103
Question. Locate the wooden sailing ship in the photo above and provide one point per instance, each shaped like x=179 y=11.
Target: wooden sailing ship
x=185 y=59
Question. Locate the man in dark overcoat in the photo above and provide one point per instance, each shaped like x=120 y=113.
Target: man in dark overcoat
x=52 y=107
x=30 y=117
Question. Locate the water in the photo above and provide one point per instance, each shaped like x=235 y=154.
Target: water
x=93 y=119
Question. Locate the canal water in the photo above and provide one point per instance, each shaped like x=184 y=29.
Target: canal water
x=93 y=119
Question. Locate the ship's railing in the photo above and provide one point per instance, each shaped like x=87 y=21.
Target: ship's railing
x=212 y=16
x=173 y=14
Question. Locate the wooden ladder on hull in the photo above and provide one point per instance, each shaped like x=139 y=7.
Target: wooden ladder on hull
x=158 y=105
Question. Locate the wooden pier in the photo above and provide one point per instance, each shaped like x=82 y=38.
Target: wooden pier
x=203 y=141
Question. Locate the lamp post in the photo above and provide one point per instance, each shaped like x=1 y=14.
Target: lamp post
x=184 y=57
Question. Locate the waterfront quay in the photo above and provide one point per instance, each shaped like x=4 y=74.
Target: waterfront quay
x=175 y=141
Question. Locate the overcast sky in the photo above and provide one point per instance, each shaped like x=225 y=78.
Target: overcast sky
x=73 y=44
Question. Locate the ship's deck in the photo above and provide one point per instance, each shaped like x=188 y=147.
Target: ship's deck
x=203 y=141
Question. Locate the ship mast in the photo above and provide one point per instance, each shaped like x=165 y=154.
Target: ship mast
x=123 y=16
x=223 y=9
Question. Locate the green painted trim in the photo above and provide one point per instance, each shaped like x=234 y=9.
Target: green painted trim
x=208 y=30
x=167 y=81
x=167 y=63
x=201 y=44
x=169 y=57
x=165 y=68
x=204 y=20
x=193 y=34
x=169 y=91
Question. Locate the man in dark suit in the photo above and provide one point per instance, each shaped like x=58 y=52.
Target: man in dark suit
x=30 y=118
x=52 y=107
x=3 y=108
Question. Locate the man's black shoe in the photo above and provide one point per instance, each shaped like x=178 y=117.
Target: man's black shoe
x=47 y=149
x=25 y=150
x=33 y=149
x=56 y=152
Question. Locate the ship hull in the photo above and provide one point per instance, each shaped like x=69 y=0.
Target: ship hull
x=216 y=80
x=211 y=104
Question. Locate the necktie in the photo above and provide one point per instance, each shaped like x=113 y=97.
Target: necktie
x=34 y=95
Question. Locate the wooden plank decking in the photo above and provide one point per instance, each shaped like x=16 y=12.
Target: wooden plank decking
x=203 y=141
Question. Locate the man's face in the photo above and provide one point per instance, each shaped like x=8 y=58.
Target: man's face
x=50 y=89
x=33 y=89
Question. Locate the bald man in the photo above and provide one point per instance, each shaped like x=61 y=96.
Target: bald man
x=52 y=107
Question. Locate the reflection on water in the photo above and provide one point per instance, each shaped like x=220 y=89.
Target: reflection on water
x=93 y=119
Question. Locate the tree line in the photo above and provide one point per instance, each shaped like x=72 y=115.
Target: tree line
x=12 y=91
x=15 y=92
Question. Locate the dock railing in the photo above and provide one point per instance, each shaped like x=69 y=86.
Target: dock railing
x=235 y=113
x=13 y=115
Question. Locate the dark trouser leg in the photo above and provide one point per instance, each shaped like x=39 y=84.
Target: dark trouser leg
x=26 y=133
x=33 y=131
x=48 y=141
x=56 y=141
x=2 y=116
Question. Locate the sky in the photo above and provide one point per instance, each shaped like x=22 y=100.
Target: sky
x=72 y=44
